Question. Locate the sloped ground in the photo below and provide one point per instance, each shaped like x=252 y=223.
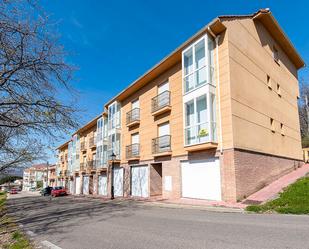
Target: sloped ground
x=293 y=200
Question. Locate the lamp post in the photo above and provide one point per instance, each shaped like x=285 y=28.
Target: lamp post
x=113 y=157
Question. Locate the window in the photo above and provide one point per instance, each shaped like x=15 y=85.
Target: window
x=282 y=129
x=135 y=104
x=275 y=54
x=269 y=82
x=197 y=64
x=114 y=115
x=272 y=125
x=278 y=90
x=198 y=128
x=135 y=138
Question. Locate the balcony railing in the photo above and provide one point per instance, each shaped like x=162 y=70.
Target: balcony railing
x=82 y=166
x=91 y=164
x=92 y=142
x=201 y=133
x=82 y=146
x=132 y=151
x=161 y=144
x=133 y=116
x=160 y=101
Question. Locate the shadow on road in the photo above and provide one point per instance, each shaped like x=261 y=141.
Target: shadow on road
x=45 y=215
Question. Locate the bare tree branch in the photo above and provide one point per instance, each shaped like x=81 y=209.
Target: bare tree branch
x=33 y=75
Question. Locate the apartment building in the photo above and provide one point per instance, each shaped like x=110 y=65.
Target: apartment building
x=216 y=119
x=35 y=177
x=52 y=176
x=62 y=173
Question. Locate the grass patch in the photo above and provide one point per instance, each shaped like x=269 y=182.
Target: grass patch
x=293 y=200
x=11 y=236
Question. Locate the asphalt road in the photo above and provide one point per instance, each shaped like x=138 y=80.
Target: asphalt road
x=79 y=223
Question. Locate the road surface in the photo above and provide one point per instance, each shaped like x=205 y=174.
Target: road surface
x=83 y=223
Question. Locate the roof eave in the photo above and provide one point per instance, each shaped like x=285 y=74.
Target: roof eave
x=271 y=24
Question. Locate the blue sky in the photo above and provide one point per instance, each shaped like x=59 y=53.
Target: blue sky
x=114 y=42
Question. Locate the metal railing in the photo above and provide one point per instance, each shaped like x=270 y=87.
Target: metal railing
x=82 y=166
x=132 y=151
x=199 y=77
x=161 y=144
x=200 y=133
x=133 y=115
x=160 y=101
x=91 y=164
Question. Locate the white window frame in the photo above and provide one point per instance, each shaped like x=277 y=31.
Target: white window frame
x=195 y=70
x=209 y=108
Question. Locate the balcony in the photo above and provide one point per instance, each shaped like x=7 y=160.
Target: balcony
x=100 y=165
x=92 y=142
x=132 y=152
x=82 y=166
x=161 y=103
x=133 y=117
x=91 y=165
x=161 y=146
x=83 y=146
x=200 y=137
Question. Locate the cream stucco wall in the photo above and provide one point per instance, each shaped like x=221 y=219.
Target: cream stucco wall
x=253 y=103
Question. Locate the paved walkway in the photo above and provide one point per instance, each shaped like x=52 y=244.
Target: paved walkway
x=272 y=190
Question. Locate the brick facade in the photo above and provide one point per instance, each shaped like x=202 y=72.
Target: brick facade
x=254 y=170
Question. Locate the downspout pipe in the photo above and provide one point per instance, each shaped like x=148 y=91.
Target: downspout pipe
x=217 y=37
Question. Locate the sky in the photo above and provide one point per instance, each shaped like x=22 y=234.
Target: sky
x=114 y=42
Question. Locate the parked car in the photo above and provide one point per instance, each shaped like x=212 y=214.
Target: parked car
x=58 y=191
x=46 y=191
x=13 y=191
x=33 y=189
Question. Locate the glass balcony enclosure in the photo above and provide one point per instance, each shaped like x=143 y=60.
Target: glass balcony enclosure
x=197 y=64
x=199 y=91
x=114 y=125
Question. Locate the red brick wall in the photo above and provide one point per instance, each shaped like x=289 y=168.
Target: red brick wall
x=228 y=181
x=155 y=181
x=254 y=170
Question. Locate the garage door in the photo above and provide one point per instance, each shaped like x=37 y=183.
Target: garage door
x=86 y=185
x=139 y=181
x=201 y=179
x=118 y=181
x=77 y=185
x=102 y=186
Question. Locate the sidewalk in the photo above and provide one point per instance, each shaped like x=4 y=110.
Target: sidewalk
x=218 y=206
x=272 y=190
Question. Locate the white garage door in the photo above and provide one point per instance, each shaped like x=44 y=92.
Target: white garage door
x=77 y=185
x=201 y=179
x=118 y=181
x=86 y=185
x=102 y=185
x=139 y=181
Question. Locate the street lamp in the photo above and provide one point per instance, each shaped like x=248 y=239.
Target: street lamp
x=113 y=157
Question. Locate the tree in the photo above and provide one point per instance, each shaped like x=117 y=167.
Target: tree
x=7 y=179
x=33 y=71
x=303 y=109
